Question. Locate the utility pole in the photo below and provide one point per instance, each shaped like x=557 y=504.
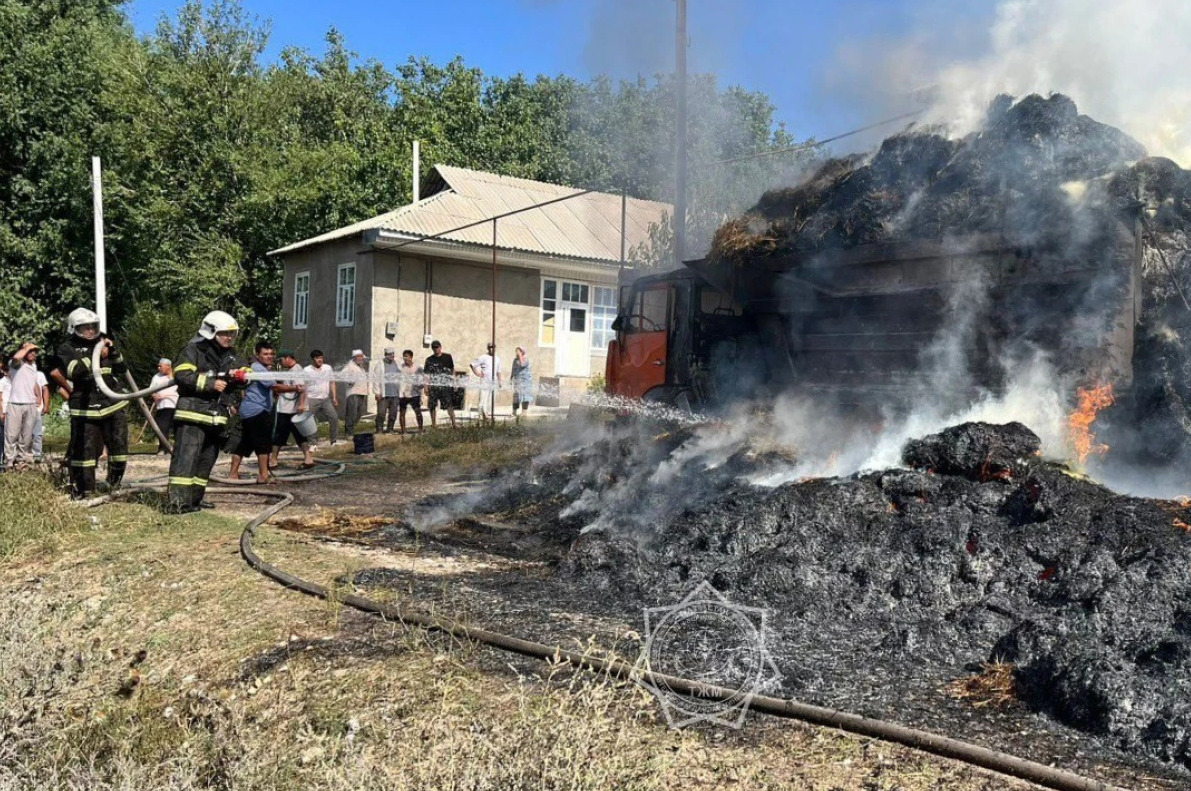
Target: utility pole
x=101 y=301
x=417 y=186
x=680 y=39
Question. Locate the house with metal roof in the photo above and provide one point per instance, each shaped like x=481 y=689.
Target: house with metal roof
x=480 y=255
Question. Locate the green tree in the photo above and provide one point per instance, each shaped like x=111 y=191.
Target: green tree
x=50 y=124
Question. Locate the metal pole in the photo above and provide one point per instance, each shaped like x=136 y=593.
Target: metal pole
x=101 y=299
x=492 y=405
x=417 y=173
x=624 y=214
x=680 y=137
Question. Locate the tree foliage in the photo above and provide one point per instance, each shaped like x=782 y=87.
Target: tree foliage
x=212 y=157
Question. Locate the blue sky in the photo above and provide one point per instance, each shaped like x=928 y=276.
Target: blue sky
x=785 y=48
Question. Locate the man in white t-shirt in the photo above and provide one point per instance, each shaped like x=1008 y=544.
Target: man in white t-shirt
x=321 y=396
x=487 y=368
x=164 y=401
x=291 y=401
x=25 y=401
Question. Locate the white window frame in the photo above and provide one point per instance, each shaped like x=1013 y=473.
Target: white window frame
x=301 y=300
x=592 y=312
x=542 y=311
x=345 y=297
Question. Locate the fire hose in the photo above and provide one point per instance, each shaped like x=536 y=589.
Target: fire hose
x=787 y=708
x=138 y=395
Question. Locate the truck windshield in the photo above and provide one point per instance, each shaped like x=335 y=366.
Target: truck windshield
x=650 y=310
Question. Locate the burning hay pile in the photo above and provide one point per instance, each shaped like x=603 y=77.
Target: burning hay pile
x=1068 y=193
x=1038 y=172
x=883 y=586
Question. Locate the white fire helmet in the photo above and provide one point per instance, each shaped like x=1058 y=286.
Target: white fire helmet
x=217 y=321
x=78 y=317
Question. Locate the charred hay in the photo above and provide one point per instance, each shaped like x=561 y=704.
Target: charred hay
x=976 y=451
x=1009 y=178
x=889 y=580
x=1070 y=191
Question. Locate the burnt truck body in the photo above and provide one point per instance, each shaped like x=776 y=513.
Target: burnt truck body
x=874 y=324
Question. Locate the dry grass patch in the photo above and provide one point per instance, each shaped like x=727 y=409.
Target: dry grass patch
x=33 y=513
x=994 y=685
x=327 y=523
x=481 y=449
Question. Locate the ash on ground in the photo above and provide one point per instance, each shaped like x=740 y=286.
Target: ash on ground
x=882 y=587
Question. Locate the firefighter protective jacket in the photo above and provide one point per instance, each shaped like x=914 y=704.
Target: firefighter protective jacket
x=86 y=399
x=198 y=367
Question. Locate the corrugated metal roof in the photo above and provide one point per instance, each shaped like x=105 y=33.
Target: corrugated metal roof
x=586 y=227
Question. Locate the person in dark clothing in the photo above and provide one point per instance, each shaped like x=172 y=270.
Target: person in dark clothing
x=256 y=419
x=96 y=421
x=440 y=372
x=205 y=371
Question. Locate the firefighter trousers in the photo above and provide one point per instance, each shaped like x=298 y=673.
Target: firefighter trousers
x=88 y=438
x=196 y=449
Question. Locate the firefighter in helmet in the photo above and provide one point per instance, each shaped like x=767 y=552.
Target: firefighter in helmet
x=204 y=372
x=96 y=420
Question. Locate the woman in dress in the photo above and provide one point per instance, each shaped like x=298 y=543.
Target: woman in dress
x=522 y=382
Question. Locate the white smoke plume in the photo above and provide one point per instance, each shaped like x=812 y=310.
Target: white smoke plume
x=1123 y=63
x=827 y=442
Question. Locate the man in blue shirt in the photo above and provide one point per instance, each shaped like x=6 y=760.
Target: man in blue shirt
x=256 y=418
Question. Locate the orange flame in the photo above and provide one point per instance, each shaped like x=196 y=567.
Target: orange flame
x=1079 y=422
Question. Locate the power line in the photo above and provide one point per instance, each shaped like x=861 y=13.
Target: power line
x=817 y=143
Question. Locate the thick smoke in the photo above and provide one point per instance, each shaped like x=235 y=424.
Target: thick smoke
x=1124 y=63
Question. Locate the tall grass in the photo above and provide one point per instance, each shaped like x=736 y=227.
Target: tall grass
x=34 y=512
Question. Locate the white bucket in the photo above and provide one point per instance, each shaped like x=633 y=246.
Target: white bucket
x=304 y=423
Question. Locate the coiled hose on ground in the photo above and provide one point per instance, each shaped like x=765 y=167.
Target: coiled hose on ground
x=935 y=744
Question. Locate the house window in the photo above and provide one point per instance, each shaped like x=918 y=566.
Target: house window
x=345 y=296
x=549 y=311
x=603 y=313
x=301 y=300
x=574 y=292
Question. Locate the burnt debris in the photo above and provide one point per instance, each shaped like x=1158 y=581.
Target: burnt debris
x=887 y=583
x=976 y=451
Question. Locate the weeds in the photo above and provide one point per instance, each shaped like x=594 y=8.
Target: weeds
x=33 y=512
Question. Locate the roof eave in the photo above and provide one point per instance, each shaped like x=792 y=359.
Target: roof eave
x=297 y=246
x=395 y=241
